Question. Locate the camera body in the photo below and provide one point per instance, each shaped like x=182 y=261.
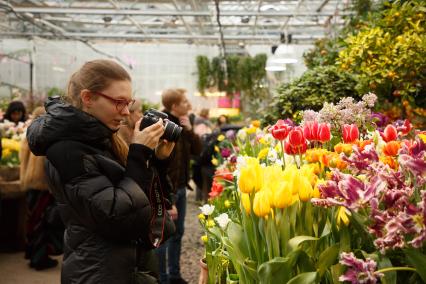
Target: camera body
x=172 y=131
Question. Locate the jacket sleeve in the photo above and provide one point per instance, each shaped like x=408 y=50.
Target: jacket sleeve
x=195 y=142
x=111 y=204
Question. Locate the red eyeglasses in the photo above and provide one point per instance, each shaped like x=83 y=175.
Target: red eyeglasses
x=120 y=104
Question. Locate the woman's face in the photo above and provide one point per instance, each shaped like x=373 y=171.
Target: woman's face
x=107 y=105
x=16 y=116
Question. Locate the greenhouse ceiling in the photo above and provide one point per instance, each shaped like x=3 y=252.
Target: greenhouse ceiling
x=191 y=21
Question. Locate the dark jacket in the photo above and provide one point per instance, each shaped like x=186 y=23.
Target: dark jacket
x=188 y=144
x=104 y=205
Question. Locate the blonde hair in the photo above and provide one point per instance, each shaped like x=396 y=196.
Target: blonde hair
x=171 y=97
x=96 y=76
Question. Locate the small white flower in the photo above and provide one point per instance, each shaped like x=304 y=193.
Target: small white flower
x=223 y=220
x=207 y=209
x=242 y=134
x=272 y=155
x=268 y=138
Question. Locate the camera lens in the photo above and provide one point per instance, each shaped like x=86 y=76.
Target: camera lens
x=171 y=131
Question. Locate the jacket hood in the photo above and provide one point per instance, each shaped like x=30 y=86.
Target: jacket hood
x=65 y=122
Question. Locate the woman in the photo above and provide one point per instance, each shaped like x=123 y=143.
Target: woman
x=44 y=229
x=104 y=189
x=15 y=112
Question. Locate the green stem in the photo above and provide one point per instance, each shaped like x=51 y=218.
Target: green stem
x=388 y=269
x=282 y=153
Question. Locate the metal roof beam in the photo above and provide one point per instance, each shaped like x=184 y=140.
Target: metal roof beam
x=163 y=36
x=87 y=11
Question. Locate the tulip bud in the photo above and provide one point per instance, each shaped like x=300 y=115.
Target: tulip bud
x=280 y=130
x=296 y=137
x=261 y=206
x=390 y=133
x=324 y=133
x=350 y=133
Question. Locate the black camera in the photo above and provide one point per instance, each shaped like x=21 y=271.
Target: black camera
x=171 y=130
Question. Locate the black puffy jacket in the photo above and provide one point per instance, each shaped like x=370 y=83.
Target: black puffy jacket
x=104 y=205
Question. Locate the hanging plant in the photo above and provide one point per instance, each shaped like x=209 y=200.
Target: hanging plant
x=217 y=74
x=203 y=66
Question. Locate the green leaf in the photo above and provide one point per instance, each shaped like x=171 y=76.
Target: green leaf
x=277 y=270
x=304 y=278
x=390 y=276
x=328 y=258
x=296 y=241
x=418 y=260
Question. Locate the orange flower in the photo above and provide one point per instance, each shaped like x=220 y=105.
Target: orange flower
x=390 y=161
x=391 y=148
x=362 y=144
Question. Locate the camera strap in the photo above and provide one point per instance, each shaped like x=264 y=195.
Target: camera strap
x=158 y=212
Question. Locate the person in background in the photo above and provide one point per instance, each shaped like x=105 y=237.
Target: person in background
x=177 y=107
x=128 y=127
x=45 y=230
x=16 y=112
x=202 y=127
x=105 y=190
x=221 y=121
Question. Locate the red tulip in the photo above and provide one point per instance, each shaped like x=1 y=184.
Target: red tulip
x=390 y=133
x=216 y=189
x=296 y=137
x=294 y=150
x=310 y=130
x=280 y=130
x=324 y=133
x=350 y=133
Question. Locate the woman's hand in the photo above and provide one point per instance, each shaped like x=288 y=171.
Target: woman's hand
x=150 y=136
x=173 y=213
x=164 y=149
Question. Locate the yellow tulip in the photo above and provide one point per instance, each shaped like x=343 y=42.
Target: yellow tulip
x=245 y=200
x=251 y=130
x=215 y=162
x=423 y=137
x=221 y=137
x=261 y=206
x=201 y=216
x=11 y=144
x=263 y=153
x=283 y=197
x=341 y=216
x=251 y=176
x=227 y=203
x=305 y=189
x=216 y=149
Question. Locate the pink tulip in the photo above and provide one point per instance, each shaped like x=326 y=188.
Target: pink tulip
x=350 y=133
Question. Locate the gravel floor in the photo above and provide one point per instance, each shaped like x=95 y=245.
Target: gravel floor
x=14 y=268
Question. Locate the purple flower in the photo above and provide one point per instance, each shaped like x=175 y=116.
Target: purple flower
x=359 y=271
x=348 y=191
x=379 y=119
x=417 y=166
x=225 y=152
x=361 y=160
x=230 y=135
